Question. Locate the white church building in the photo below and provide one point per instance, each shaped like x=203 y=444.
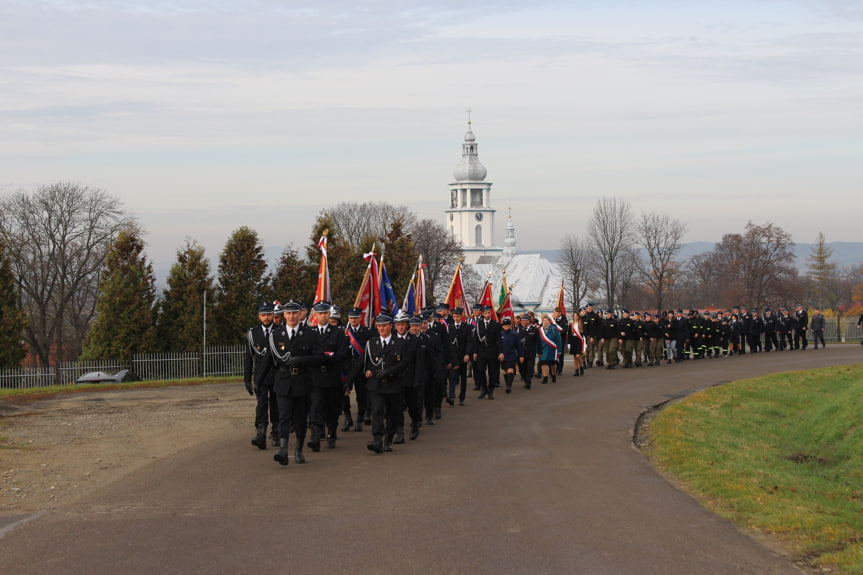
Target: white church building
x=534 y=280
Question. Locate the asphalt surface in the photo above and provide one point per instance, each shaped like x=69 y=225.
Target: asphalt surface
x=540 y=481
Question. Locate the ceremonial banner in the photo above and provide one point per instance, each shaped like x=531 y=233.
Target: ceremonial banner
x=560 y=302
x=485 y=297
x=455 y=296
x=387 y=295
x=420 y=286
x=322 y=291
x=367 y=299
x=506 y=308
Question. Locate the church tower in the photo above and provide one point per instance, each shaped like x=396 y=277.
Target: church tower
x=470 y=218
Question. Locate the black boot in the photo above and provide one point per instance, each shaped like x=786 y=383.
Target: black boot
x=367 y=417
x=349 y=422
x=376 y=445
x=298 y=453
x=545 y=380
x=400 y=438
x=438 y=414
x=388 y=442
x=274 y=438
x=315 y=440
x=260 y=440
x=282 y=456
x=508 y=379
x=359 y=424
x=331 y=438
x=415 y=432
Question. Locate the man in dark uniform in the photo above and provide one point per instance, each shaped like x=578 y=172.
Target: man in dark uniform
x=529 y=341
x=296 y=351
x=756 y=327
x=641 y=331
x=328 y=394
x=413 y=377
x=436 y=366
x=357 y=336
x=458 y=336
x=487 y=352
x=437 y=329
x=610 y=340
x=592 y=333
x=628 y=335
x=800 y=334
x=384 y=364
x=771 y=326
x=258 y=356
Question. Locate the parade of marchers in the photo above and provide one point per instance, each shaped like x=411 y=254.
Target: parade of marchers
x=303 y=365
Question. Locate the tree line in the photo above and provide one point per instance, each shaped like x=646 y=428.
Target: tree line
x=76 y=283
x=628 y=261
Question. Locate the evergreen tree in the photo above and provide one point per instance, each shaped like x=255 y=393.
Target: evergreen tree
x=181 y=319
x=822 y=275
x=12 y=318
x=400 y=258
x=242 y=283
x=125 y=305
x=291 y=280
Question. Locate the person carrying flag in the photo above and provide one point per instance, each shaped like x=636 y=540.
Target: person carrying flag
x=358 y=336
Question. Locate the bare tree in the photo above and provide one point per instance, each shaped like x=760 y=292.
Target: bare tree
x=573 y=261
x=610 y=233
x=627 y=273
x=661 y=236
x=57 y=238
x=439 y=250
x=769 y=258
x=702 y=273
x=355 y=222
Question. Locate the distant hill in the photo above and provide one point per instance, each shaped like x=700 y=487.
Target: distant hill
x=844 y=253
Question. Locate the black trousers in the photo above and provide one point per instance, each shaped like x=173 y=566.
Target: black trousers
x=458 y=377
x=266 y=408
x=526 y=369
x=800 y=336
x=432 y=396
x=413 y=399
x=487 y=373
x=385 y=407
x=293 y=410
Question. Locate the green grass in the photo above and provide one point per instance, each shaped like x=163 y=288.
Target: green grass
x=781 y=454
x=41 y=392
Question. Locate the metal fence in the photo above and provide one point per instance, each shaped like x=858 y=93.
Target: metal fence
x=223 y=361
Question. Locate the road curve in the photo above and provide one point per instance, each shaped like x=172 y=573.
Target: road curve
x=540 y=481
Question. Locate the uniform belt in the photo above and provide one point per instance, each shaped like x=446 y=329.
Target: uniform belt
x=323 y=369
x=290 y=370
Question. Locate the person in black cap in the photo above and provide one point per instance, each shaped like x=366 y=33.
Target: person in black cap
x=385 y=364
x=296 y=352
x=610 y=340
x=771 y=341
x=592 y=335
x=487 y=352
x=817 y=327
x=413 y=377
x=436 y=364
x=559 y=319
x=513 y=352
x=529 y=335
x=257 y=356
x=800 y=334
x=328 y=394
x=357 y=337
x=459 y=335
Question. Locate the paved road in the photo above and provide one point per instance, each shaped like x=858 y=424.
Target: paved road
x=540 y=481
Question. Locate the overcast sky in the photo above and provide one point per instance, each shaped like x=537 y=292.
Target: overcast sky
x=202 y=116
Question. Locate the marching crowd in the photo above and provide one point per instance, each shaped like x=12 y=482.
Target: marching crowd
x=303 y=368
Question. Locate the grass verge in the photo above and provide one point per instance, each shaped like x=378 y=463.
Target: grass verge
x=781 y=454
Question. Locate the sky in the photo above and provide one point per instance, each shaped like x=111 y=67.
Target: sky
x=204 y=116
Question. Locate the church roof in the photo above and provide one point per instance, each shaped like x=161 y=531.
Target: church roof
x=535 y=281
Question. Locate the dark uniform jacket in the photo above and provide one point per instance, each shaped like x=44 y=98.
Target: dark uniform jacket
x=435 y=363
x=486 y=339
x=459 y=338
x=512 y=346
x=258 y=356
x=360 y=338
x=439 y=331
x=387 y=365
x=334 y=345
x=529 y=340
x=610 y=329
x=296 y=359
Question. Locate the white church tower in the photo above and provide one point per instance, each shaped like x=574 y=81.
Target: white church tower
x=470 y=218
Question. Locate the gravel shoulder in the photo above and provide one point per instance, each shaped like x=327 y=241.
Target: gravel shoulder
x=56 y=450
